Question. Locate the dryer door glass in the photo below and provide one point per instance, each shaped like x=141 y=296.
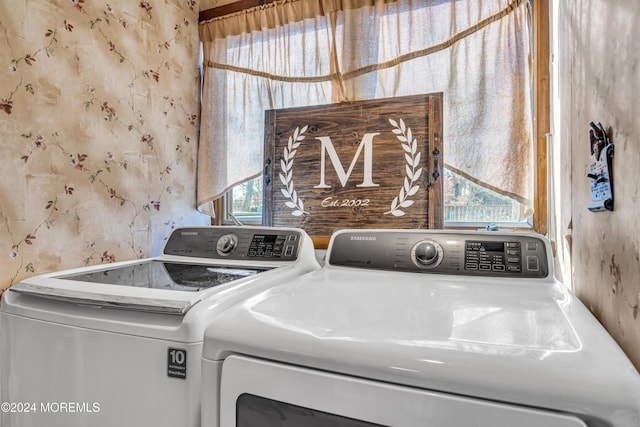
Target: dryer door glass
x=254 y=411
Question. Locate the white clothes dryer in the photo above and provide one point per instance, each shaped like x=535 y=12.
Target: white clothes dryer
x=418 y=328
x=121 y=344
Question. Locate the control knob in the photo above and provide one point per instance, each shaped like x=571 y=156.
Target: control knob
x=427 y=254
x=226 y=244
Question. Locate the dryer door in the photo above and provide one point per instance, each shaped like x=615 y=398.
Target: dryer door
x=259 y=393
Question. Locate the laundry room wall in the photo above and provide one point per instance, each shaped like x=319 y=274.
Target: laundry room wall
x=209 y=4
x=99 y=109
x=598 y=56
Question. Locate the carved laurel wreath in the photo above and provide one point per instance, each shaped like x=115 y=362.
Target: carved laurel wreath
x=412 y=156
x=289 y=192
x=409 y=188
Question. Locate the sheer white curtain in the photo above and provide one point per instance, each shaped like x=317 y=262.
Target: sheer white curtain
x=309 y=52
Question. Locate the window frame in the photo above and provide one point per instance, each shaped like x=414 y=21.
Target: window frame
x=541 y=122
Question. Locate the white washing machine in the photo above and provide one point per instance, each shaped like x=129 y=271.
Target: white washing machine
x=418 y=328
x=121 y=344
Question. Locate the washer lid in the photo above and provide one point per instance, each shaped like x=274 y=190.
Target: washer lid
x=166 y=275
x=169 y=287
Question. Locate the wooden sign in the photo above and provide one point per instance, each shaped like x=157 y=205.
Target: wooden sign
x=367 y=164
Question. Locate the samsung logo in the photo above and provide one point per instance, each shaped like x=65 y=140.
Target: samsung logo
x=369 y=238
x=188 y=233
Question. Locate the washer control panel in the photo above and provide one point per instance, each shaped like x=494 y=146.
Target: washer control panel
x=495 y=256
x=273 y=245
x=511 y=256
x=235 y=243
x=481 y=253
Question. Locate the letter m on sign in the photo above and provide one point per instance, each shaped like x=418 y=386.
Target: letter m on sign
x=328 y=148
x=347 y=165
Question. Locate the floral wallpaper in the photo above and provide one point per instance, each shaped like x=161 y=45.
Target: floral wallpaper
x=99 y=110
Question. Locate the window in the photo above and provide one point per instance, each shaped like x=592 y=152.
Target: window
x=470 y=198
x=465 y=203
x=468 y=203
x=243 y=203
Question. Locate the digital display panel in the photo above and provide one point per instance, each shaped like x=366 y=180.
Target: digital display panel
x=272 y=245
x=492 y=246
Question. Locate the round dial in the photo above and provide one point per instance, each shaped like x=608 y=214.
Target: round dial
x=226 y=244
x=427 y=254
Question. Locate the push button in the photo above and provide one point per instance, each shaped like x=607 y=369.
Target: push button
x=532 y=263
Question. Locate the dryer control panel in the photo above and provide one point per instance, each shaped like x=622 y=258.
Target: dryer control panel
x=502 y=256
x=235 y=243
x=493 y=254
